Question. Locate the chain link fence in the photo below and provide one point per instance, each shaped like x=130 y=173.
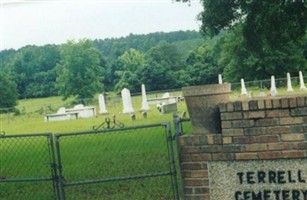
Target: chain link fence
x=120 y=163
x=130 y=163
x=27 y=170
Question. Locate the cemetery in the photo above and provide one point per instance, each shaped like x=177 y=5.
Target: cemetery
x=251 y=145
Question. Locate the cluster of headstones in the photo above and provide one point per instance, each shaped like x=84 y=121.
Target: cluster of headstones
x=127 y=105
x=273 y=89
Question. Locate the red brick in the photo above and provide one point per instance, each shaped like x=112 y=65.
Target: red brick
x=232 y=132
x=254 y=114
x=261 y=104
x=292 y=102
x=277 y=113
x=293 y=137
x=197 y=197
x=278 y=146
x=185 y=157
x=268 y=103
x=227 y=140
x=256 y=147
x=243 y=123
x=191 y=149
x=284 y=103
x=245 y=105
x=226 y=124
x=246 y=156
x=195 y=174
x=255 y=131
x=230 y=107
x=290 y=120
x=276 y=103
x=278 y=130
x=201 y=157
x=192 y=166
x=270 y=155
x=266 y=139
x=194 y=182
x=231 y=116
x=293 y=154
x=243 y=140
x=300 y=101
x=268 y=122
x=223 y=156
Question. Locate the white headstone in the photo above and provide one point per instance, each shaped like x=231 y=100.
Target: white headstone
x=273 y=89
x=289 y=83
x=61 y=110
x=166 y=95
x=302 y=84
x=145 y=106
x=102 y=105
x=127 y=101
x=220 y=79
x=243 y=88
x=79 y=106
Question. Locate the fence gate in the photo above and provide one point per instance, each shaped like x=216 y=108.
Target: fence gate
x=27 y=168
x=126 y=163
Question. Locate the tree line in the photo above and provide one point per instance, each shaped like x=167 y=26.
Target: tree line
x=239 y=39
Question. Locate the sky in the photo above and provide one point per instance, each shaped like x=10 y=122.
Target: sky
x=43 y=22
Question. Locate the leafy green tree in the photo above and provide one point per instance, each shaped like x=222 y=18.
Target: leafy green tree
x=239 y=62
x=79 y=71
x=265 y=23
x=130 y=61
x=8 y=92
x=163 y=67
x=33 y=70
x=202 y=65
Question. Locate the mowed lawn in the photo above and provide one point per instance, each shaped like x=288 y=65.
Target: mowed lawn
x=86 y=157
x=33 y=111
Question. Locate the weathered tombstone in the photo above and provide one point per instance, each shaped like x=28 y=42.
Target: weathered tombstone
x=102 y=105
x=61 y=110
x=289 y=83
x=145 y=106
x=220 y=79
x=166 y=95
x=243 y=88
x=273 y=90
x=302 y=84
x=127 y=101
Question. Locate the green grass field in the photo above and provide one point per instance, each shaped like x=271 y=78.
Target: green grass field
x=89 y=157
x=85 y=157
x=31 y=119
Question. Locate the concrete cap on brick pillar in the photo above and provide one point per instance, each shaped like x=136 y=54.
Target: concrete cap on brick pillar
x=202 y=106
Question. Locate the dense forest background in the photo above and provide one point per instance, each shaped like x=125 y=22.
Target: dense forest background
x=159 y=60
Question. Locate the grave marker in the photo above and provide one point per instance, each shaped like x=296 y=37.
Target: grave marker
x=127 y=105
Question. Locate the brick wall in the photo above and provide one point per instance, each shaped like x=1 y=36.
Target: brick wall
x=271 y=128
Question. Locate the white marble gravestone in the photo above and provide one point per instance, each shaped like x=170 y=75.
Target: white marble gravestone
x=302 y=84
x=273 y=89
x=289 y=83
x=243 y=88
x=220 y=79
x=127 y=105
x=145 y=106
x=102 y=105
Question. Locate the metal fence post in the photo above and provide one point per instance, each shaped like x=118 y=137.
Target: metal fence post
x=178 y=132
x=173 y=162
x=60 y=179
x=53 y=167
